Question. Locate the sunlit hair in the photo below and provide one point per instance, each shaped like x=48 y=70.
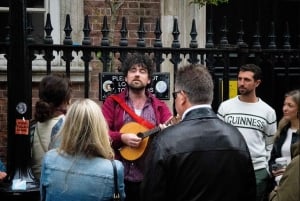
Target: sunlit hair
x=196 y=82
x=295 y=95
x=85 y=131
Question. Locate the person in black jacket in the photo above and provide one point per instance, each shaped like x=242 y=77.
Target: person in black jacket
x=287 y=134
x=201 y=157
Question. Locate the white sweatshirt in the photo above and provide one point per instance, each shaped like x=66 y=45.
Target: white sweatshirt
x=257 y=123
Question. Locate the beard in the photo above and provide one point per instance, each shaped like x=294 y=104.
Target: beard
x=136 y=86
x=244 y=91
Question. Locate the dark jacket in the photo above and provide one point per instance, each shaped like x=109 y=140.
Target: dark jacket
x=201 y=158
x=276 y=150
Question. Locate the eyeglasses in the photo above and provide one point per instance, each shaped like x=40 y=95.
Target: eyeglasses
x=174 y=94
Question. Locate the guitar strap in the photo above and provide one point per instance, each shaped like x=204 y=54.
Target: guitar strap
x=137 y=118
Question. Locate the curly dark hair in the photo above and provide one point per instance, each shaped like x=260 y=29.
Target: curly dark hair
x=137 y=58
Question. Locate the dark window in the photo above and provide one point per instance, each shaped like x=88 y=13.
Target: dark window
x=30 y=3
x=3 y=26
x=38 y=26
x=37 y=19
x=4 y=3
x=35 y=3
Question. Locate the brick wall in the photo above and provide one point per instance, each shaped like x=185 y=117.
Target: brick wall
x=132 y=10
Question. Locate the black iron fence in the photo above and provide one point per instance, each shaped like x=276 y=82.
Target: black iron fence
x=280 y=65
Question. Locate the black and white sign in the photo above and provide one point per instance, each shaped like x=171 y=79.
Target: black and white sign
x=113 y=83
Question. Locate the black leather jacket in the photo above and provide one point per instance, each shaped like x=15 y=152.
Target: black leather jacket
x=276 y=150
x=201 y=158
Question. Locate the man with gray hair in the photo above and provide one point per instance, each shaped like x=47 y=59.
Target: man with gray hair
x=201 y=157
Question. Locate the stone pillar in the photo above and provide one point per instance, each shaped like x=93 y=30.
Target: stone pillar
x=185 y=13
x=75 y=8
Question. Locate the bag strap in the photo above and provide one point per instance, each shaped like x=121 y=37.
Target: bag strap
x=116 y=195
x=40 y=140
x=54 y=133
x=32 y=126
x=56 y=127
x=137 y=118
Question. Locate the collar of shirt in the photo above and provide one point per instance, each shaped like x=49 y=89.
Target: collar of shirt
x=195 y=107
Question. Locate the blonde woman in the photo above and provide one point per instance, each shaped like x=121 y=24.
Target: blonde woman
x=80 y=168
x=287 y=133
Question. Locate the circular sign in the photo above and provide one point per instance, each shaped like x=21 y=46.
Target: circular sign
x=161 y=86
x=107 y=86
x=21 y=107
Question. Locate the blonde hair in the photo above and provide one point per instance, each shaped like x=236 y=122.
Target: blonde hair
x=295 y=95
x=85 y=131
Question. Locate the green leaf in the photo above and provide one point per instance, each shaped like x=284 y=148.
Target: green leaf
x=208 y=2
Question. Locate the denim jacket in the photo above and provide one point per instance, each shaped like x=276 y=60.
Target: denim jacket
x=69 y=178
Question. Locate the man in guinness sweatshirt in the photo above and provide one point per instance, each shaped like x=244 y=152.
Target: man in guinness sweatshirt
x=255 y=119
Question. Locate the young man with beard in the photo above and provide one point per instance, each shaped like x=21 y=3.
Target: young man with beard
x=255 y=119
x=134 y=104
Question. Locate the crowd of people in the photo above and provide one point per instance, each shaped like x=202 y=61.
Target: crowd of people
x=132 y=148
